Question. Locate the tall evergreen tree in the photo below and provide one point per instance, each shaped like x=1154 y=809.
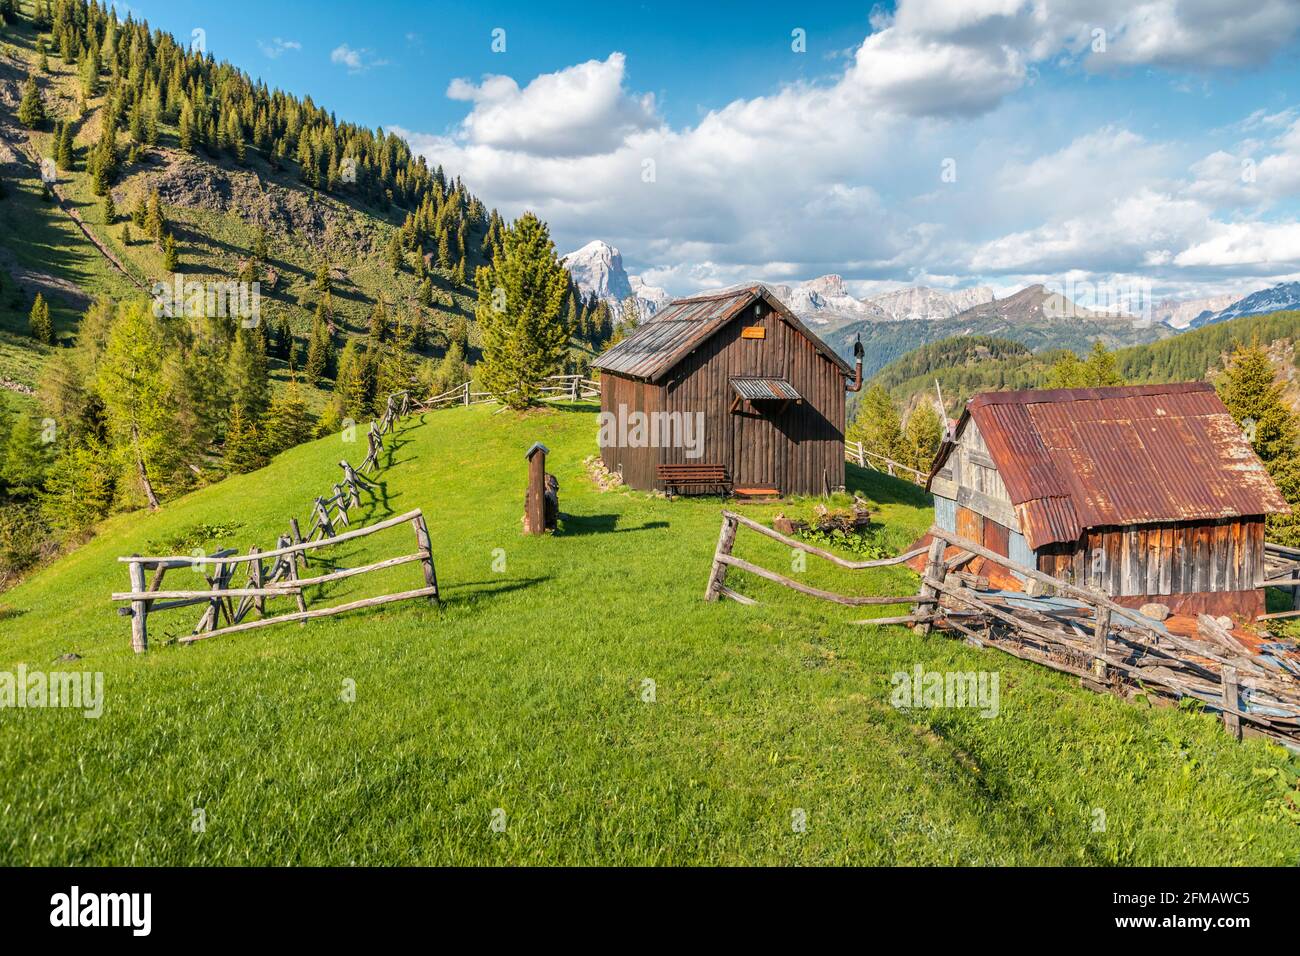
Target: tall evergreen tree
x=31 y=109
x=520 y=303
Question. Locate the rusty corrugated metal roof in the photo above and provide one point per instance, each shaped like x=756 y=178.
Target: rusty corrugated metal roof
x=1073 y=459
x=765 y=389
x=654 y=348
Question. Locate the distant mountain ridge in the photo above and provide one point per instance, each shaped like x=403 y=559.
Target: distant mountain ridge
x=1283 y=296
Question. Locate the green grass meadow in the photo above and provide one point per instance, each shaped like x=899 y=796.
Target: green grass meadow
x=526 y=692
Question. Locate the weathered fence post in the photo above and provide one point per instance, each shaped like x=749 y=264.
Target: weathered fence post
x=535 y=513
x=1100 y=637
x=257 y=578
x=467 y=393
x=426 y=546
x=1231 y=699
x=927 y=607
x=139 y=609
x=292 y=570
x=296 y=533
x=718 y=575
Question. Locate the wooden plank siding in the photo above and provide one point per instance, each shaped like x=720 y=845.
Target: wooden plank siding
x=798 y=449
x=1221 y=556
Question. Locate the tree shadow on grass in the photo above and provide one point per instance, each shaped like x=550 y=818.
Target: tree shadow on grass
x=461 y=596
x=575 y=525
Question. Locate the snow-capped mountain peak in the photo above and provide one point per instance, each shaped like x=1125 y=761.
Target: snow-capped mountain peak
x=598 y=268
x=1284 y=295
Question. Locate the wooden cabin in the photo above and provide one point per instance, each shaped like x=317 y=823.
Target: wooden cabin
x=1148 y=493
x=725 y=392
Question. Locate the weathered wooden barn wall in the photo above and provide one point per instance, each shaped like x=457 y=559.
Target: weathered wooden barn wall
x=798 y=449
x=1193 y=567
x=636 y=465
x=1158 y=561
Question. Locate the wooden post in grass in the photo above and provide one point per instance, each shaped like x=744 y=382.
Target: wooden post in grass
x=296 y=533
x=927 y=608
x=292 y=572
x=256 y=580
x=1100 y=636
x=1231 y=699
x=535 y=500
x=139 y=609
x=718 y=576
x=426 y=548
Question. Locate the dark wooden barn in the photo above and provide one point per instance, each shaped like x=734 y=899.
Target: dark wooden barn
x=1146 y=492
x=727 y=391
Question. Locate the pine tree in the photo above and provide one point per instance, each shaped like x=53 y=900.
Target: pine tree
x=26 y=457
x=1250 y=391
x=322 y=281
x=394 y=254
x=288 y=421
x=42 y=327
x=78 y=488
x=520 y=301
x=260 y=252
x=318 y=345
x=110 y=209
x=31 y=109
x=242 y=450
x=247 y=379
x=126 y=233
x=66 y=154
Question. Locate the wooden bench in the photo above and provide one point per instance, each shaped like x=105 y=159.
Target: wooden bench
x=692 y=478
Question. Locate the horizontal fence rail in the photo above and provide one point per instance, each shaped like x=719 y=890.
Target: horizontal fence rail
x=554 y=388
x=854 y=452
x=282 y=581
x=1077 y=631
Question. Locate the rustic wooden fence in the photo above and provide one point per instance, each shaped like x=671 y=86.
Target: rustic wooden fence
x=854 y=452
x=555 y=388
x=279 y=580
x=1069 y=629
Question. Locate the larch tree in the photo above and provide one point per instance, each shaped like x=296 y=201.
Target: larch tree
x=137 y=403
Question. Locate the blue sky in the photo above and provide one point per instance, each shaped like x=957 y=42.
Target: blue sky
x=945 y=142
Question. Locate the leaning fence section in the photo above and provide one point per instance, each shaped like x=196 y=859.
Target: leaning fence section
x=271 y=575
x=1070 y=629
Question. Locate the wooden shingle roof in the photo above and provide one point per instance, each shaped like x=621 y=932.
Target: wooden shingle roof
x=656 y=347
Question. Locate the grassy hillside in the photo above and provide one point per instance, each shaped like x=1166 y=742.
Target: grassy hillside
x=524 y=692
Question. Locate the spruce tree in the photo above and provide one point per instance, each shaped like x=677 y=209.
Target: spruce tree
x=31 y=109
x=288 y=421
x=1250 y=391
x=110 y=209
x=242 y=450
x=520 y=302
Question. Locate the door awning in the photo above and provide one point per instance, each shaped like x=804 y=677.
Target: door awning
x=765 y=390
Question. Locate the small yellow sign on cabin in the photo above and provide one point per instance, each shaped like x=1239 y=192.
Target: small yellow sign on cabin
x=753 y=332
